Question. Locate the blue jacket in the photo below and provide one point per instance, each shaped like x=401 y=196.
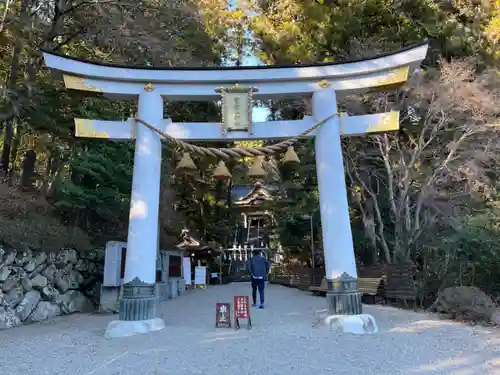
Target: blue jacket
x=258 y=267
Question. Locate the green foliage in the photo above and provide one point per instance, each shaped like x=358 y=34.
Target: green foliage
x=204 y=202
x=99 y=187
x=229 y=23
x=87 y=182
x=294 y=31
x=473 y=250
x=296 y=200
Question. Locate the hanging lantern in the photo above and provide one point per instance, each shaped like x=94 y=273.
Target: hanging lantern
x=186 y=164
x=291 y=156
x=256 y=171
x=221 y=172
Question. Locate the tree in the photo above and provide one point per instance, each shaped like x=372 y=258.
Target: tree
x=145 y=32
x=230 y=25
x=97 y=194
x=294 y=31
x=88 y=182
x=404 y=184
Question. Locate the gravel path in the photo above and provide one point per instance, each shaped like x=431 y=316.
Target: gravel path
x=283 y=341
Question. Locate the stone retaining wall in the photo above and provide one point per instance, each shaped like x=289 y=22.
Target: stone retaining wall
x=36 y=286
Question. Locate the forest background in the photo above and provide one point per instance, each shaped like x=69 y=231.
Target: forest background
x=428 y=193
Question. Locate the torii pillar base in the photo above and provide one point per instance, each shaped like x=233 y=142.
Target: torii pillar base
x=137 y=311
x=343 y=297
x=345 y=311
x=124 y=328
x=357 y=324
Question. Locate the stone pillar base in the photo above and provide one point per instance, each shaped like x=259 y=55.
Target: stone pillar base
x=344 y=304
x=124 y=328
x=343 y=297
x=138 y=301
x=345 y=312
x=137 y=311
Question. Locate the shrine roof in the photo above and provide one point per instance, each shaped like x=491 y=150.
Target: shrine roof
x=188 y=242
x=250 y=194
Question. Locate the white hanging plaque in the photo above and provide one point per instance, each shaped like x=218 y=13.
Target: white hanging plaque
x=236 y=108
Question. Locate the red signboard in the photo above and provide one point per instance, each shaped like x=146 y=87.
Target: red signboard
x=241 y=307
x=241 y=310
x=223 y=314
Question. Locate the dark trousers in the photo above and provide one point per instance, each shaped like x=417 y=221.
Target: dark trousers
x=258 y=284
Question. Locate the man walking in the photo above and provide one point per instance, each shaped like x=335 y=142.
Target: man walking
x=258 y=267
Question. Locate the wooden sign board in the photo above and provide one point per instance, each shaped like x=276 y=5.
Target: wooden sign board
x=223 y=315
x=242 y=311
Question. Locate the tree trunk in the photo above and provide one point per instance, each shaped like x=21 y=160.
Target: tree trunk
x=6 y=147
x=16 y=140
x=28 y=169
x=11 y=83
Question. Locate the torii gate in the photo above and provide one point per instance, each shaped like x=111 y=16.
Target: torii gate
x=150 y=86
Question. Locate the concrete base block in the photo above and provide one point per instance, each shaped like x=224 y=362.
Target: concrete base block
x=357 y=324
x=109 y=299
x=125 y=328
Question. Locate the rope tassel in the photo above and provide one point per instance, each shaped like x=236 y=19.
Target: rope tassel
x=221 y=172
x=290 y=156
x=186 y=164
x=256 y=171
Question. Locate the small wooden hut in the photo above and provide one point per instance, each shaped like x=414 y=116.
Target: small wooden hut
x=201 y=253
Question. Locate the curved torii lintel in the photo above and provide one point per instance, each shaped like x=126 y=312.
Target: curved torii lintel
x=377 y=73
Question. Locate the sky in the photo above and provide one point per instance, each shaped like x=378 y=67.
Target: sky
x=258 y=114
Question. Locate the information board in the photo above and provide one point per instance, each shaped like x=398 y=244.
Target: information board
x=200 y=276
x=241 y=311
x=186 y=266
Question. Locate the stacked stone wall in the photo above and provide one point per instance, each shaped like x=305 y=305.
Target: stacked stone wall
x=36 y=286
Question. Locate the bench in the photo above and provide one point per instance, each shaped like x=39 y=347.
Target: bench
x=319 y=290
x=371 y=286
x=394 y=282
x=296 y=277
x=371 y=281
x=301 y=278
x=400 y=285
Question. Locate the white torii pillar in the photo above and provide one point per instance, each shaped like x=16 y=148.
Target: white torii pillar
x=343 y=298
x=138 y=303
x=151 y=86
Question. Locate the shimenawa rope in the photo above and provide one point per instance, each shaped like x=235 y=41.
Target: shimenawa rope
x=227 y=153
